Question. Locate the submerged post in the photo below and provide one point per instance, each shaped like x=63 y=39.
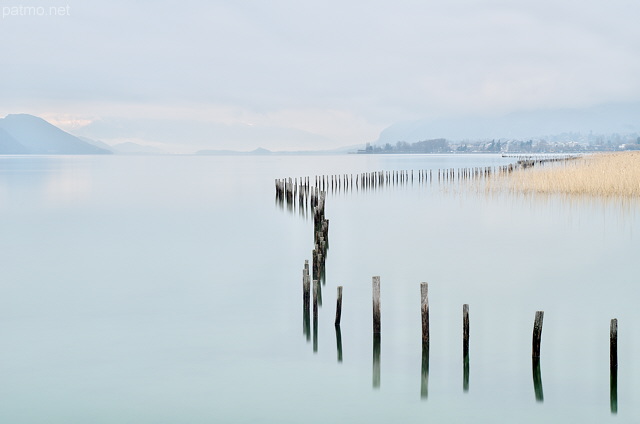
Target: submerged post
x=376 y=305
x=424 y=306
x=537 y=334
x=339 y=307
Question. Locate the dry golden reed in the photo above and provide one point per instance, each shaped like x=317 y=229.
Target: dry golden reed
x=600 y=175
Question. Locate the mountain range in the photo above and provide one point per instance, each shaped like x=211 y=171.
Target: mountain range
x=28 y=134
x=605 y=119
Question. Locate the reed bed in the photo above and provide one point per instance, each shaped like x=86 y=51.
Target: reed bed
x=598 y=175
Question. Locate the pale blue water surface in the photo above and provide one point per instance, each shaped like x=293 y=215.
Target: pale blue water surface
x=169 y=290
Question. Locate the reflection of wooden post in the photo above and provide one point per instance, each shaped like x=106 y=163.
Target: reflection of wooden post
x=339 y=342
x=537 y=334
x=424 y=380
x=376 y=305
x=613 y=390
x=306 y=299
x=424 y=304
x=339 y=307
x=315 y=336
x=537 y=379
x=465 y=374
x=376 y=360
x=316 y=287
x=613 y=365
x=465 y=347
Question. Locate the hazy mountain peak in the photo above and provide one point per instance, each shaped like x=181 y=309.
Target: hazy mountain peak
x=31 y=134
x=601 y=119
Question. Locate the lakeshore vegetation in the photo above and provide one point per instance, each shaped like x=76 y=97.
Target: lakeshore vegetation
x=602 y=174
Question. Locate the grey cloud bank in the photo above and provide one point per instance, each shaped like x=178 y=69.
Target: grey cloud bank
x=316 y=75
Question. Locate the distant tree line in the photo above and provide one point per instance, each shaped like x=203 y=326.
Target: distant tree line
x=441 y=145
x=438 y=145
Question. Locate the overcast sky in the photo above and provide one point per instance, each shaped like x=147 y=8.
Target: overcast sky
x=294 y=74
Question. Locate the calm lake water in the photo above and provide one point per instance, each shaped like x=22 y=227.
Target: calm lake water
x=169 y=290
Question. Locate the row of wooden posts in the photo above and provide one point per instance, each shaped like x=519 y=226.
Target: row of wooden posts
x=424 y=307
x=286 y=190
x=306 y=192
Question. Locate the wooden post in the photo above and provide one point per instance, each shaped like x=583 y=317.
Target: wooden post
x=339 y=307
x=613 y=344
x=537 y=334
x=465 y=330
x=305 y=286
x=376 y=305
x=424 y=306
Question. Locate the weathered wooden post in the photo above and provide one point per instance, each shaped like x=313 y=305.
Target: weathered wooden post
x=465 y=330
x=376 y=305
x=305 y=286
x=535 y=356
x=424 y=306
x=537 y=334
x=339 y=307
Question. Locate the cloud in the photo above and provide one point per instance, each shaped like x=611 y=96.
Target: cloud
x=358 y=66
